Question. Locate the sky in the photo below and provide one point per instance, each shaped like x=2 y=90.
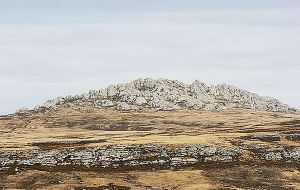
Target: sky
x=61 y=47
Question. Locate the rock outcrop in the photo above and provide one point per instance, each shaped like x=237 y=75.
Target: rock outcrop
x=142 y=157
x=119 y=156
x=163 y=94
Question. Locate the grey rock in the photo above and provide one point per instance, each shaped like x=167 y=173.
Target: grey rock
x=273 y=156
x=23 y=110
x=111 y=91
x=163 y=105
x=123 y=106
x=140 y=101
x=201 y=91
x=107 y=103
x=164 y=94
x=114 y=156
x=194 y=103
x=54 y=102
x=210 y=107
x=265 y=137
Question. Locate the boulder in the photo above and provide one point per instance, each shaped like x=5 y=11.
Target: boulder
x=107 y=103
x=23 y=110
x=209 y=107
x=163 y=105
x=123 y=106
x=111 y=91
x=200 y=91
x=140 y=101
x=54 y=102
x=193 y=103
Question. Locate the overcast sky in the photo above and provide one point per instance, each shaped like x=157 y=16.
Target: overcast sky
x=51 y=48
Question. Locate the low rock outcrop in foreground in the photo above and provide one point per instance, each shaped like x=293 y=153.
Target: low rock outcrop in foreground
x=163 y=94
x=124 y=157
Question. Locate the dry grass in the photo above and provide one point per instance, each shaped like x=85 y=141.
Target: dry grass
x=245 y=177
x=191 y=179
x=69 y=128
x=147 y=126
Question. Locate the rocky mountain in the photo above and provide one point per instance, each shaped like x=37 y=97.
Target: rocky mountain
x=75 y=142
x=164 y=94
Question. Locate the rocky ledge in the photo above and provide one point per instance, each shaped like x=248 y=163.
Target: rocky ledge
x=144 y=156
x=163 y=94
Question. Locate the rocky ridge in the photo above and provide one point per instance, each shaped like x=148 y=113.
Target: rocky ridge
x=119 y=156
x=143 y=156
x=164 y=94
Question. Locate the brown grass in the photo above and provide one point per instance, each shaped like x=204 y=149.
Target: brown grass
x=147 y=126
x=245 y=177
x=69 y=128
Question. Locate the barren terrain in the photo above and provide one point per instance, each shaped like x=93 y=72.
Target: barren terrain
x=66 y=128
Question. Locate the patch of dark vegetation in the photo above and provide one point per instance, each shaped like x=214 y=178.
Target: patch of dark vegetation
x=293 y=136
x=143 y=128
x=248 y=177
x=290 y=135
x=237 y=142
x=194 y=124
x=1 y=182
x=121 y=126
x=72 y=120
x=57 y=144
x=62 y=123
x=5 y=117
x=35 y=181
x=110 y=186
x=256 y=148
x=130 y=178
x=261 y=137
x=293 y=123
x=213 y=126
x=181 y=123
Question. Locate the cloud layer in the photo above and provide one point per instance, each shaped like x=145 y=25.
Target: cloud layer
x=250 y=46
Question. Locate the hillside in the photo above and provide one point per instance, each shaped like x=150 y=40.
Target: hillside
x=153 y=134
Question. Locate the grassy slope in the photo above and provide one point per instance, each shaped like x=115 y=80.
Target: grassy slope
x=70 y=128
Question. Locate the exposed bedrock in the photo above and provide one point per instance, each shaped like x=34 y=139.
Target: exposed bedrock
x=164 y=94
x=141 y=156
x=120 y=156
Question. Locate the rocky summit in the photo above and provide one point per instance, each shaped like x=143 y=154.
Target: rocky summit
x=164 y=94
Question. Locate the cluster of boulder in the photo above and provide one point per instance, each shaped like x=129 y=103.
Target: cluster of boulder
x=119 y=156
x=273 y=137
x=288 y=156
x=163 y=94
x=139 y=157
x=272 y=151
